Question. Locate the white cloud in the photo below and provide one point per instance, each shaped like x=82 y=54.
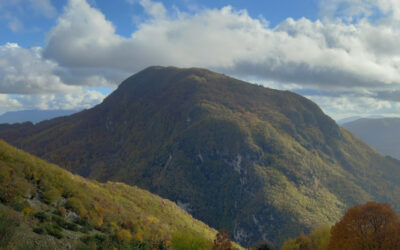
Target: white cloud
x=154 y=9
x=351 y=49
x=25 y=71
x=82 y=99
x=328 y=54
x=79 y=100
x=353 y=105
x=7 y=103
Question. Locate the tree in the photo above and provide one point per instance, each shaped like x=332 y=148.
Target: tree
x=302 y=242
x=320 y=237
x=188 y=241
x=123 y=235
x=222 y=241
x=370 y=226
x=264 y=245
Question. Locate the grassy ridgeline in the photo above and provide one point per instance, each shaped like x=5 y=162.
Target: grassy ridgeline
x=50 y=208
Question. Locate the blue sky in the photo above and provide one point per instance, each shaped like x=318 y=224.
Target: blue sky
x=64 y=54
x=123 y=15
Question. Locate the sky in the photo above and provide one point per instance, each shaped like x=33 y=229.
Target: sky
x=70 y=54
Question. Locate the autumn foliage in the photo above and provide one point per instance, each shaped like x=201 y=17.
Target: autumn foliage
x=370 y=226
x=222 y=241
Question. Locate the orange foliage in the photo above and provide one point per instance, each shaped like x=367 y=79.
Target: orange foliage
x=370 y=226
x=222 y=241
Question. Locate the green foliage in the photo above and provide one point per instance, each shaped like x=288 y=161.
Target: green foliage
x=17 y=204
x=51 y=196
x=9 y=223
x=42 y=216
x=186 y=241
x=54 y=230
x=64 y=224
x=123 y=235
x=75 y=205
x=264 y=245
x=39 y=230
x=318 y=239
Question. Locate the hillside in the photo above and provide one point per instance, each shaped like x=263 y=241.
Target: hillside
x=45 y=207
x=266 y=164
x=33 y=116
x=382 y=134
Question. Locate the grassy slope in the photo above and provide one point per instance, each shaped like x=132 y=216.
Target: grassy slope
x=261 y=162
x=110 y=207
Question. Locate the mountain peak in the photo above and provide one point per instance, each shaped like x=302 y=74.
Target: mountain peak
x=264 y=163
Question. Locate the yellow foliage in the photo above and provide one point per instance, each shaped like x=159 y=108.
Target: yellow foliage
x=4 y=174
x=320 y=237
x=51 y=196
x=114 y=227
x=27 y=211
x=138 y=236
x=100 y=222
x=76 y=205
x=123 y=235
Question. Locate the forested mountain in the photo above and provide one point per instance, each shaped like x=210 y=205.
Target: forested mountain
x=45 y=207
x=263 y=163
x=33 y=116
x=382 y=134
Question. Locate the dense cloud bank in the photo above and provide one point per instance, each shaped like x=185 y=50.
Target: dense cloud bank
x=352 y=51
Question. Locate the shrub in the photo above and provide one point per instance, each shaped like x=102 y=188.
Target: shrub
x=222 y=241
x=8 y=226
x=123 y=235
x=64 y=224
x=17 y=204
x=84 y=222
x=182 y=241
x=264 y=245
x=51 y=196
x=76 y=205
x=54 y=230
x=42 y=216
x=39 y=230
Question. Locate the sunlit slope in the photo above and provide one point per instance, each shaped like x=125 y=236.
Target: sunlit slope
x=44 y=206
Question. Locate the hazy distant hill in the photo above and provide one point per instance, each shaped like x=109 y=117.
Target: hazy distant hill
x=348 y=119
x=33 y=116
x=382 y=134
x=266 y=164
x=354 y=118
x=45 y=207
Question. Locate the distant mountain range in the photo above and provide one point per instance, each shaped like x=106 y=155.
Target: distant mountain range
x=382 y=134
x=354 y=118
x=33 y=116
x=263 y=163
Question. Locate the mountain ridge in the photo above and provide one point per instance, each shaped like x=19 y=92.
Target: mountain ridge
x=33 y=116
x=380 y=133
x=264 y=163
